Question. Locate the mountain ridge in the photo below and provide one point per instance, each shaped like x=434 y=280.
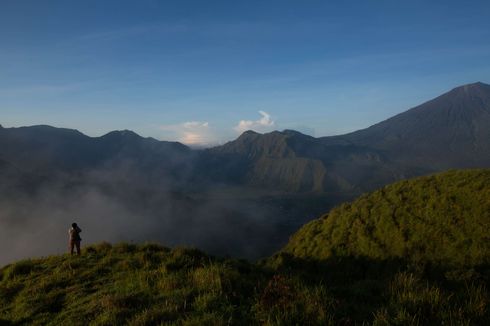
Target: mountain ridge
x=449 y=131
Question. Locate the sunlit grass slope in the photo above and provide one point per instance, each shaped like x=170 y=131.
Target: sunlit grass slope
x=443 y=219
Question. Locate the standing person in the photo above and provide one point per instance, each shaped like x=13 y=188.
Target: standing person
x=75 y=239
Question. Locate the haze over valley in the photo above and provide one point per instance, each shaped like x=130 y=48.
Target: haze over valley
x=244 y=198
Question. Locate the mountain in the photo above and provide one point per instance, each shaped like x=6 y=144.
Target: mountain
x=442 y=219
x=294 y=162
x=275 y=160
x=450 y=131
x=43 y=149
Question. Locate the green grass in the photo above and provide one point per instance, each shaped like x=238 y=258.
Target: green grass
x=365 y=263
x=442 y=219
x=153 y=285
x=143 y=285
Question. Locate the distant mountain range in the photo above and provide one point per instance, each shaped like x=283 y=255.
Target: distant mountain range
x=271 y=170
x=450 y=131
x=44 y=149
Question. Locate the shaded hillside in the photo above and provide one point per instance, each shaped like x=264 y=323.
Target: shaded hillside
x=272 y=160
x=443 y=218
x=293 y=162
x=47 y=150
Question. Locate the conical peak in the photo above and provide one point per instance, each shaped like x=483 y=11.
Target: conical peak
x=473 y=88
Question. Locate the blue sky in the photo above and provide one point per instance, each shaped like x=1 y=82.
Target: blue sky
x=203 y=71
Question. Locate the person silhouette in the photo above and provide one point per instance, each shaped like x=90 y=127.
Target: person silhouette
x=75 y=239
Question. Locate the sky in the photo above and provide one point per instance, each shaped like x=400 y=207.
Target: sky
x=202 y=72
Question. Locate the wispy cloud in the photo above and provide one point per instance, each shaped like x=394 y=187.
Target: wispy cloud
x=239 y=29
x=195 y=133
x=265 y=123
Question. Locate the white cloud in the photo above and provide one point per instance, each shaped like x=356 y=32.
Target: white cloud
x=265 y=123
x=191 y=133
x=195 y=124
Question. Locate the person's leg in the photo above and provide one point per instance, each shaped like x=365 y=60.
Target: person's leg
x=77 y=243
x=72 y=246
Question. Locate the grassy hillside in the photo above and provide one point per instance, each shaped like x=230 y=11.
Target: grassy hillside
x=125 y=283
x=153 y=285
x=413 y=253
x=442 y=219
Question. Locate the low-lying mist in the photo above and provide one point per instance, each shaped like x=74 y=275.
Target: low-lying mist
x=119 y=204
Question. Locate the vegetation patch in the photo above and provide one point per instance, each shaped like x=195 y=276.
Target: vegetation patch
x=441 y=219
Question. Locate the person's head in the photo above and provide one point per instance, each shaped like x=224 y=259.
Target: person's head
x=74 y=225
